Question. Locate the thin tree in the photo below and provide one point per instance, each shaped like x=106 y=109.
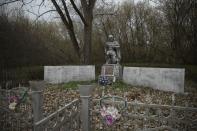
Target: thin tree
x=86 y=16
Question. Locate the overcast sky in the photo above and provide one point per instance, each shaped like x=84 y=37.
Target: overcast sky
x=32 y=10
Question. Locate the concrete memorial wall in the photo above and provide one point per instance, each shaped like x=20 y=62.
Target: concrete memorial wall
x=63 y=74
x=166 y=79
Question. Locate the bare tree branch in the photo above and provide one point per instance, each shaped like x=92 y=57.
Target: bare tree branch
x=44 y=13
x=60 y=13
x=29 y=2
x=78 y=12
x=67 y=13
x=8 y=2
x=31 y=12
x=102 y=14
x=37 y=15
x=41 y=3
x=68 y=26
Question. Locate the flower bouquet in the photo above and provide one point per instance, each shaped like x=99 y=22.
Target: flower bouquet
x=13 y=101
x=103 y=80
x=110 y=114
x=111 y=108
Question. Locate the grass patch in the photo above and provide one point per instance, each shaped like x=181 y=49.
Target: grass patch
x=74 y=84
x=119 y=85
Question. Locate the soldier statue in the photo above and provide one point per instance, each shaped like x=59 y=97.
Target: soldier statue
x=112 y=51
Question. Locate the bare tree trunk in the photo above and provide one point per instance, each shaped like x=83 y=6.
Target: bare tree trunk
x=88 y=16
x=74 y=41
x=87 y=43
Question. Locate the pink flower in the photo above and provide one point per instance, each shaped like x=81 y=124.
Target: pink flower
x=110 y=114
x=109 y=120
x=12 y=99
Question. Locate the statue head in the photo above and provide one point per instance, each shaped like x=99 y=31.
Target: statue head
x=111 y=38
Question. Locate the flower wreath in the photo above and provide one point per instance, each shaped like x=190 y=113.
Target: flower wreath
x=110 y=114
x=13 y=101
x=103 y=80
x=17 y=99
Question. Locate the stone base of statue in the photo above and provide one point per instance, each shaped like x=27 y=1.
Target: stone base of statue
x=113 y=71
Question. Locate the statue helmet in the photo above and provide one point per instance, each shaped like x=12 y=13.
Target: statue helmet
x=110 y=37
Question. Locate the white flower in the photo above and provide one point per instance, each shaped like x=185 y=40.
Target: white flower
x=12 y=105
x=103 y=112
x=111 y=110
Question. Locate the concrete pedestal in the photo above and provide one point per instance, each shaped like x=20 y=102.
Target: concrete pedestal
x=112 y=70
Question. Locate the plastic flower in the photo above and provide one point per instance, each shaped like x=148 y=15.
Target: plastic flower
x=103 y=80
x=103 y=112
x=12 y=105
x=13 y=99
x=109 y=120
x=110 y=114
x=113 y=112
